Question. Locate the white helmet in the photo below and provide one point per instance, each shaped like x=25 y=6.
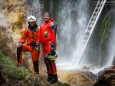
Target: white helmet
x=31 y=19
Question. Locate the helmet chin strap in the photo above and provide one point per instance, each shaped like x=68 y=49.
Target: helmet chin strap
x=33 y=28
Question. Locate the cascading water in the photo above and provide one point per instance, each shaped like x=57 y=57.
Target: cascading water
x=111 y=44
x=35 y=9
x=73 y=20
x=73 y=15
x=109 y=56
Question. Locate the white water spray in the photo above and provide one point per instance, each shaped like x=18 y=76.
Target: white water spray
x=111 y=44
x=73 y=20
x=36 y=9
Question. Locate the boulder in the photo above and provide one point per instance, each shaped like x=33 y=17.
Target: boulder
x=78 y=77
x=106 y=77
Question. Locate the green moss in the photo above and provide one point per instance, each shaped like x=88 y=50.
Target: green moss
x=106 y=23
x=9 y=68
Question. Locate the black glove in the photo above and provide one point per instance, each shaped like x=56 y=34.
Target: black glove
x=38 y=47
x=20 y=44
x=33 y=44
x=52 y=53
x=52 y=47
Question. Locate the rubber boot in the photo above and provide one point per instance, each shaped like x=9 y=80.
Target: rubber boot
x=47 y=62
x=19 y=50
x=54 y=79
x=36 y=69
x=49 y=78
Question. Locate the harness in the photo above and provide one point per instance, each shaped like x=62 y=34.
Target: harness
x=33 y=43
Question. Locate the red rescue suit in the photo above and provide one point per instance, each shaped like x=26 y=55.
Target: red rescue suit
x=47 y=36
x=29 y=37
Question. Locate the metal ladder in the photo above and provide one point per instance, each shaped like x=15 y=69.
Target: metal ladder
x=89 y=29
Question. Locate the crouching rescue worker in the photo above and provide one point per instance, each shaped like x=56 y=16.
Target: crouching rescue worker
x=47 y=38
x=28 y=43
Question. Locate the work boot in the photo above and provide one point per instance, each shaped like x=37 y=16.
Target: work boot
x=54 y=79
x=36 y=69
x=49 y=77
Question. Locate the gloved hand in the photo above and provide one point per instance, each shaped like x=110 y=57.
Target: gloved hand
x=33 y=44
x=20 y=44
x=38 y=47
x=52 y=47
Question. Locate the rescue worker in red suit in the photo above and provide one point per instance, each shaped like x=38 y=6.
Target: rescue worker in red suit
x=47 y=38
x=28 y=43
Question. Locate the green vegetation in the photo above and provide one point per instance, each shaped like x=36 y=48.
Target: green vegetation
x=106 y=23
x=20 y=76
x=9 y=68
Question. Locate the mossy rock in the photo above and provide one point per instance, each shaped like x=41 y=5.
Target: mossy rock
x=106 y=24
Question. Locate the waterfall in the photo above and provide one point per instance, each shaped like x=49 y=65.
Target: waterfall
x=111 y=44
x=72 y=18
x=109 y=55
x=35 y=9
x=72 y=22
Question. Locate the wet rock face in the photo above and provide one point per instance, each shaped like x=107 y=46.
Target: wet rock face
x=12 y=17
x=106 y=77
x=6 y=43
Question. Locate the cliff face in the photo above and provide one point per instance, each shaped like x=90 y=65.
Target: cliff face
x=12 y=17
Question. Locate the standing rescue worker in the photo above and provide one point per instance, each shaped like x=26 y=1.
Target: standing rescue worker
x=28 y=43
x=47 y=38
